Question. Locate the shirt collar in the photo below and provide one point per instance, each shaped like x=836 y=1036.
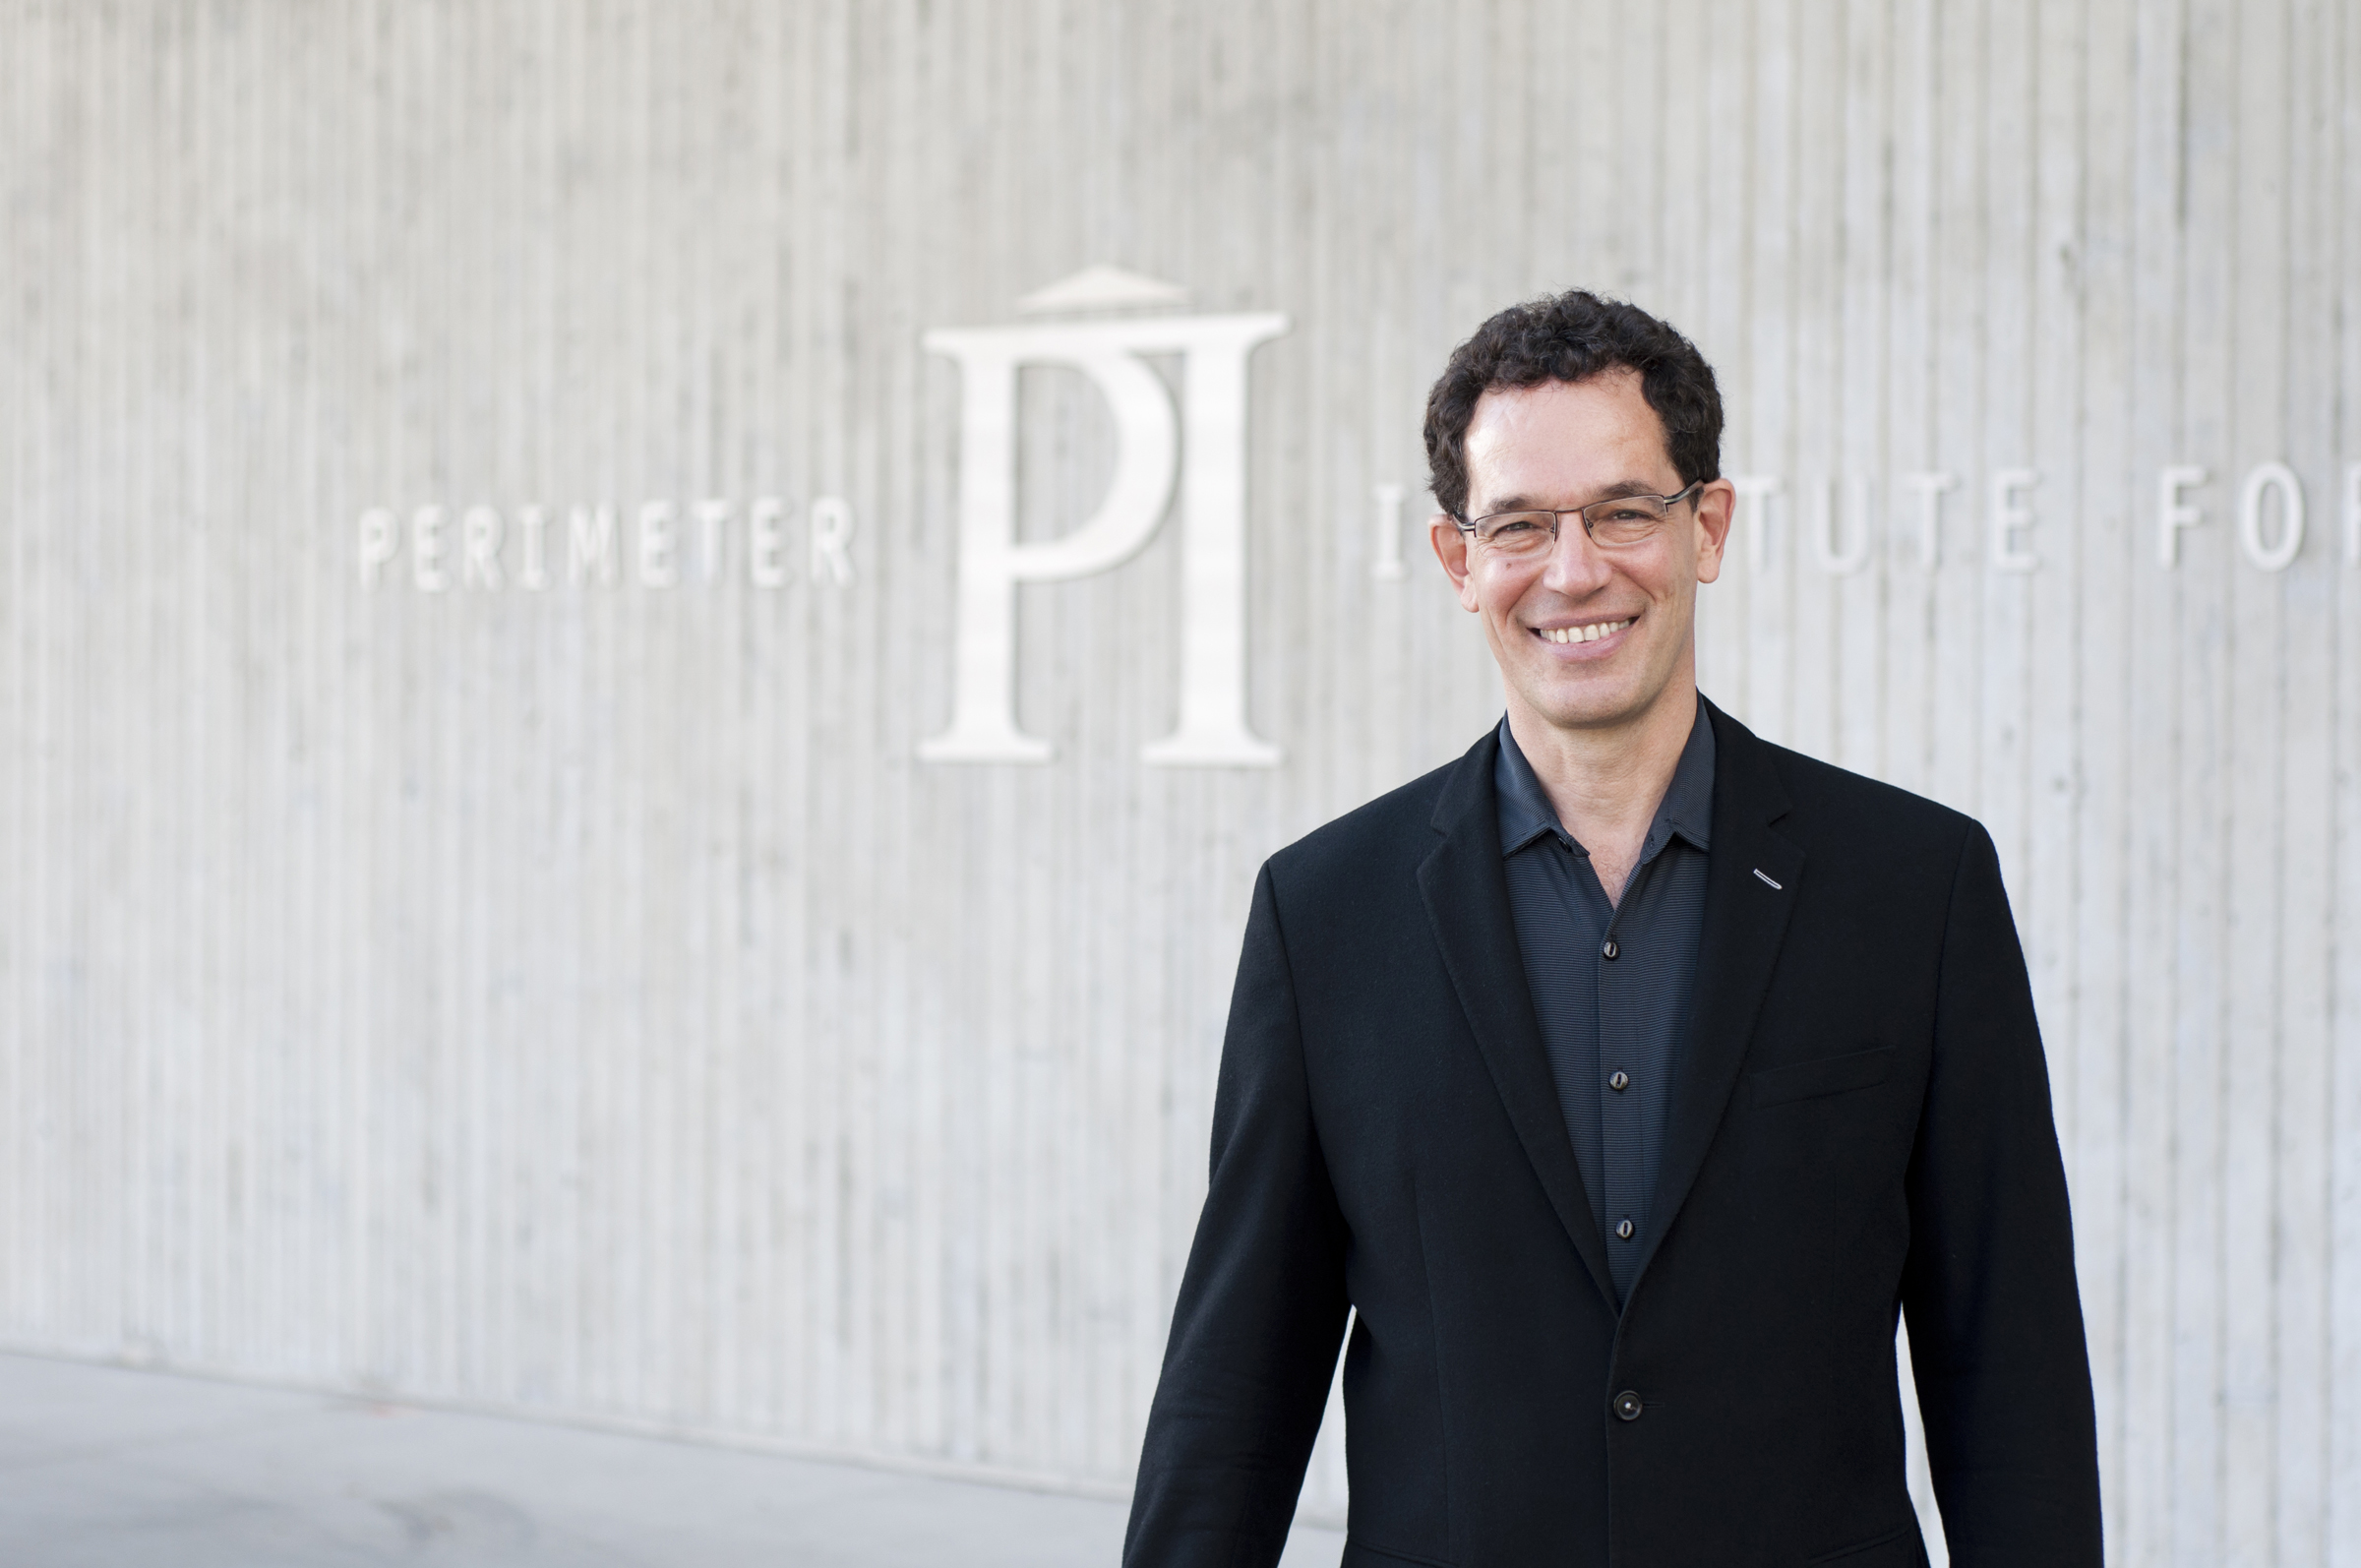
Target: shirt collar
x=1686 y=810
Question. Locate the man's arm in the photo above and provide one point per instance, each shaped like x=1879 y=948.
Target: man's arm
x=1262 y=1303
x=1996 y=1321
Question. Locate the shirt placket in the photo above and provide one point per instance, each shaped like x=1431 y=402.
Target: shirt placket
x=1621 y=1091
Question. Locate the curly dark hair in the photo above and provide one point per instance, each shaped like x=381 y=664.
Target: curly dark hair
x=1573 y=336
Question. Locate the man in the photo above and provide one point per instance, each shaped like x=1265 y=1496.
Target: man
x=1624 y=1079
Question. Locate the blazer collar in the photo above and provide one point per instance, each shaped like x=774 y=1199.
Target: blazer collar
x=1753 y=876
x=1465 y=890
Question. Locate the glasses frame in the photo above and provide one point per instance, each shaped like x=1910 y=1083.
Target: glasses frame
x=1584 y=513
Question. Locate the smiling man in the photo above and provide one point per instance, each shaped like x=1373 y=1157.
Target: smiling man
x=1622 y=1083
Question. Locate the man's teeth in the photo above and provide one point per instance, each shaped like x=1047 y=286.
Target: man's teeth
x=1586 y=633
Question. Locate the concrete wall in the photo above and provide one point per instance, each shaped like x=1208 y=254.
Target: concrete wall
x=582 y=998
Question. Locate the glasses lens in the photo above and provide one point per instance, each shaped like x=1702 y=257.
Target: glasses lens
x=1516 y=533
x=1627 y=520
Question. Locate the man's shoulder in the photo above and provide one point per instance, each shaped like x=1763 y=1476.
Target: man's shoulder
x=1827 y=802
x=1824 y=787
x=1380 y=839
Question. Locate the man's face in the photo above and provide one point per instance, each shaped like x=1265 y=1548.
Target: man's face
x=1627 y=613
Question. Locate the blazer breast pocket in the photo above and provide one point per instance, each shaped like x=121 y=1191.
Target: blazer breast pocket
x=1821 y=1076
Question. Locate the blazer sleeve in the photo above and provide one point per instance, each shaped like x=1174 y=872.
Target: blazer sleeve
x=1262 y=1302
x=1995 y=1318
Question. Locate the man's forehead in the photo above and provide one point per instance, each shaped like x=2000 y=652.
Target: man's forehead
x=1598 y=431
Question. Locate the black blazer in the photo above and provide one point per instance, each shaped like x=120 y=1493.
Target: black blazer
x=1860 y=1125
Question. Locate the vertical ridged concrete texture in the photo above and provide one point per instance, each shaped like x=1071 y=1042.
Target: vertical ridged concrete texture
x=581 y=1000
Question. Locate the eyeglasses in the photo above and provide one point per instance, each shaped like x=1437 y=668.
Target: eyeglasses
x=1615 y=523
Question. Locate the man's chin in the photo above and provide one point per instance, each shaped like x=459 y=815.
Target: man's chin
x=1589 y=711
x=1603 y=703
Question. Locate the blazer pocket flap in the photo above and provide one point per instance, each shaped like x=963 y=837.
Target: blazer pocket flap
x=1360 y=1554
x=1902 y=1549
x=1807 y=1080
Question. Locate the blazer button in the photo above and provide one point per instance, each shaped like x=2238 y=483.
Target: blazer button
x=1610 y=950
x=1628 y=1406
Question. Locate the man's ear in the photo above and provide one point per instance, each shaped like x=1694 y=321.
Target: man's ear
x=1716 y=504
x=1451 y=549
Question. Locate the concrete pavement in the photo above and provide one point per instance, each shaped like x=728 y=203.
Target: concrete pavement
x=102 y=1467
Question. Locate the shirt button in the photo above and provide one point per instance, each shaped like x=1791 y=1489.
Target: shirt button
x=1628 y=1406
x=1619 y=1082
x=1610 y=951
x=1625 y=1230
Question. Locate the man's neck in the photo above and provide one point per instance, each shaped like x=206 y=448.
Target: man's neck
x=1605 y=783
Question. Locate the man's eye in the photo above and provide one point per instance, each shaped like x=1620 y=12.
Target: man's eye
x=1510 y=526
x=1628 y=514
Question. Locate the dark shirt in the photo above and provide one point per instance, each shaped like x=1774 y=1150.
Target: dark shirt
x=1620 y=1020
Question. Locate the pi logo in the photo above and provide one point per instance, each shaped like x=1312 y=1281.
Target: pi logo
x=1203 y=446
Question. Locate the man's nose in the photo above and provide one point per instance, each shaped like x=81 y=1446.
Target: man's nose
x=1576 y=565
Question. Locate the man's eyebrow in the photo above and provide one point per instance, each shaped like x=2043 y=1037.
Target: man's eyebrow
x=1524 y=502
x=1629 y=487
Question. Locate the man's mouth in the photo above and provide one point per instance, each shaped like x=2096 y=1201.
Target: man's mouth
x=1585 y=633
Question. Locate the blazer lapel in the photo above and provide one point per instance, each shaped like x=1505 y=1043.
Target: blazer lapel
x=1745 y=920
x=1466 y=889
